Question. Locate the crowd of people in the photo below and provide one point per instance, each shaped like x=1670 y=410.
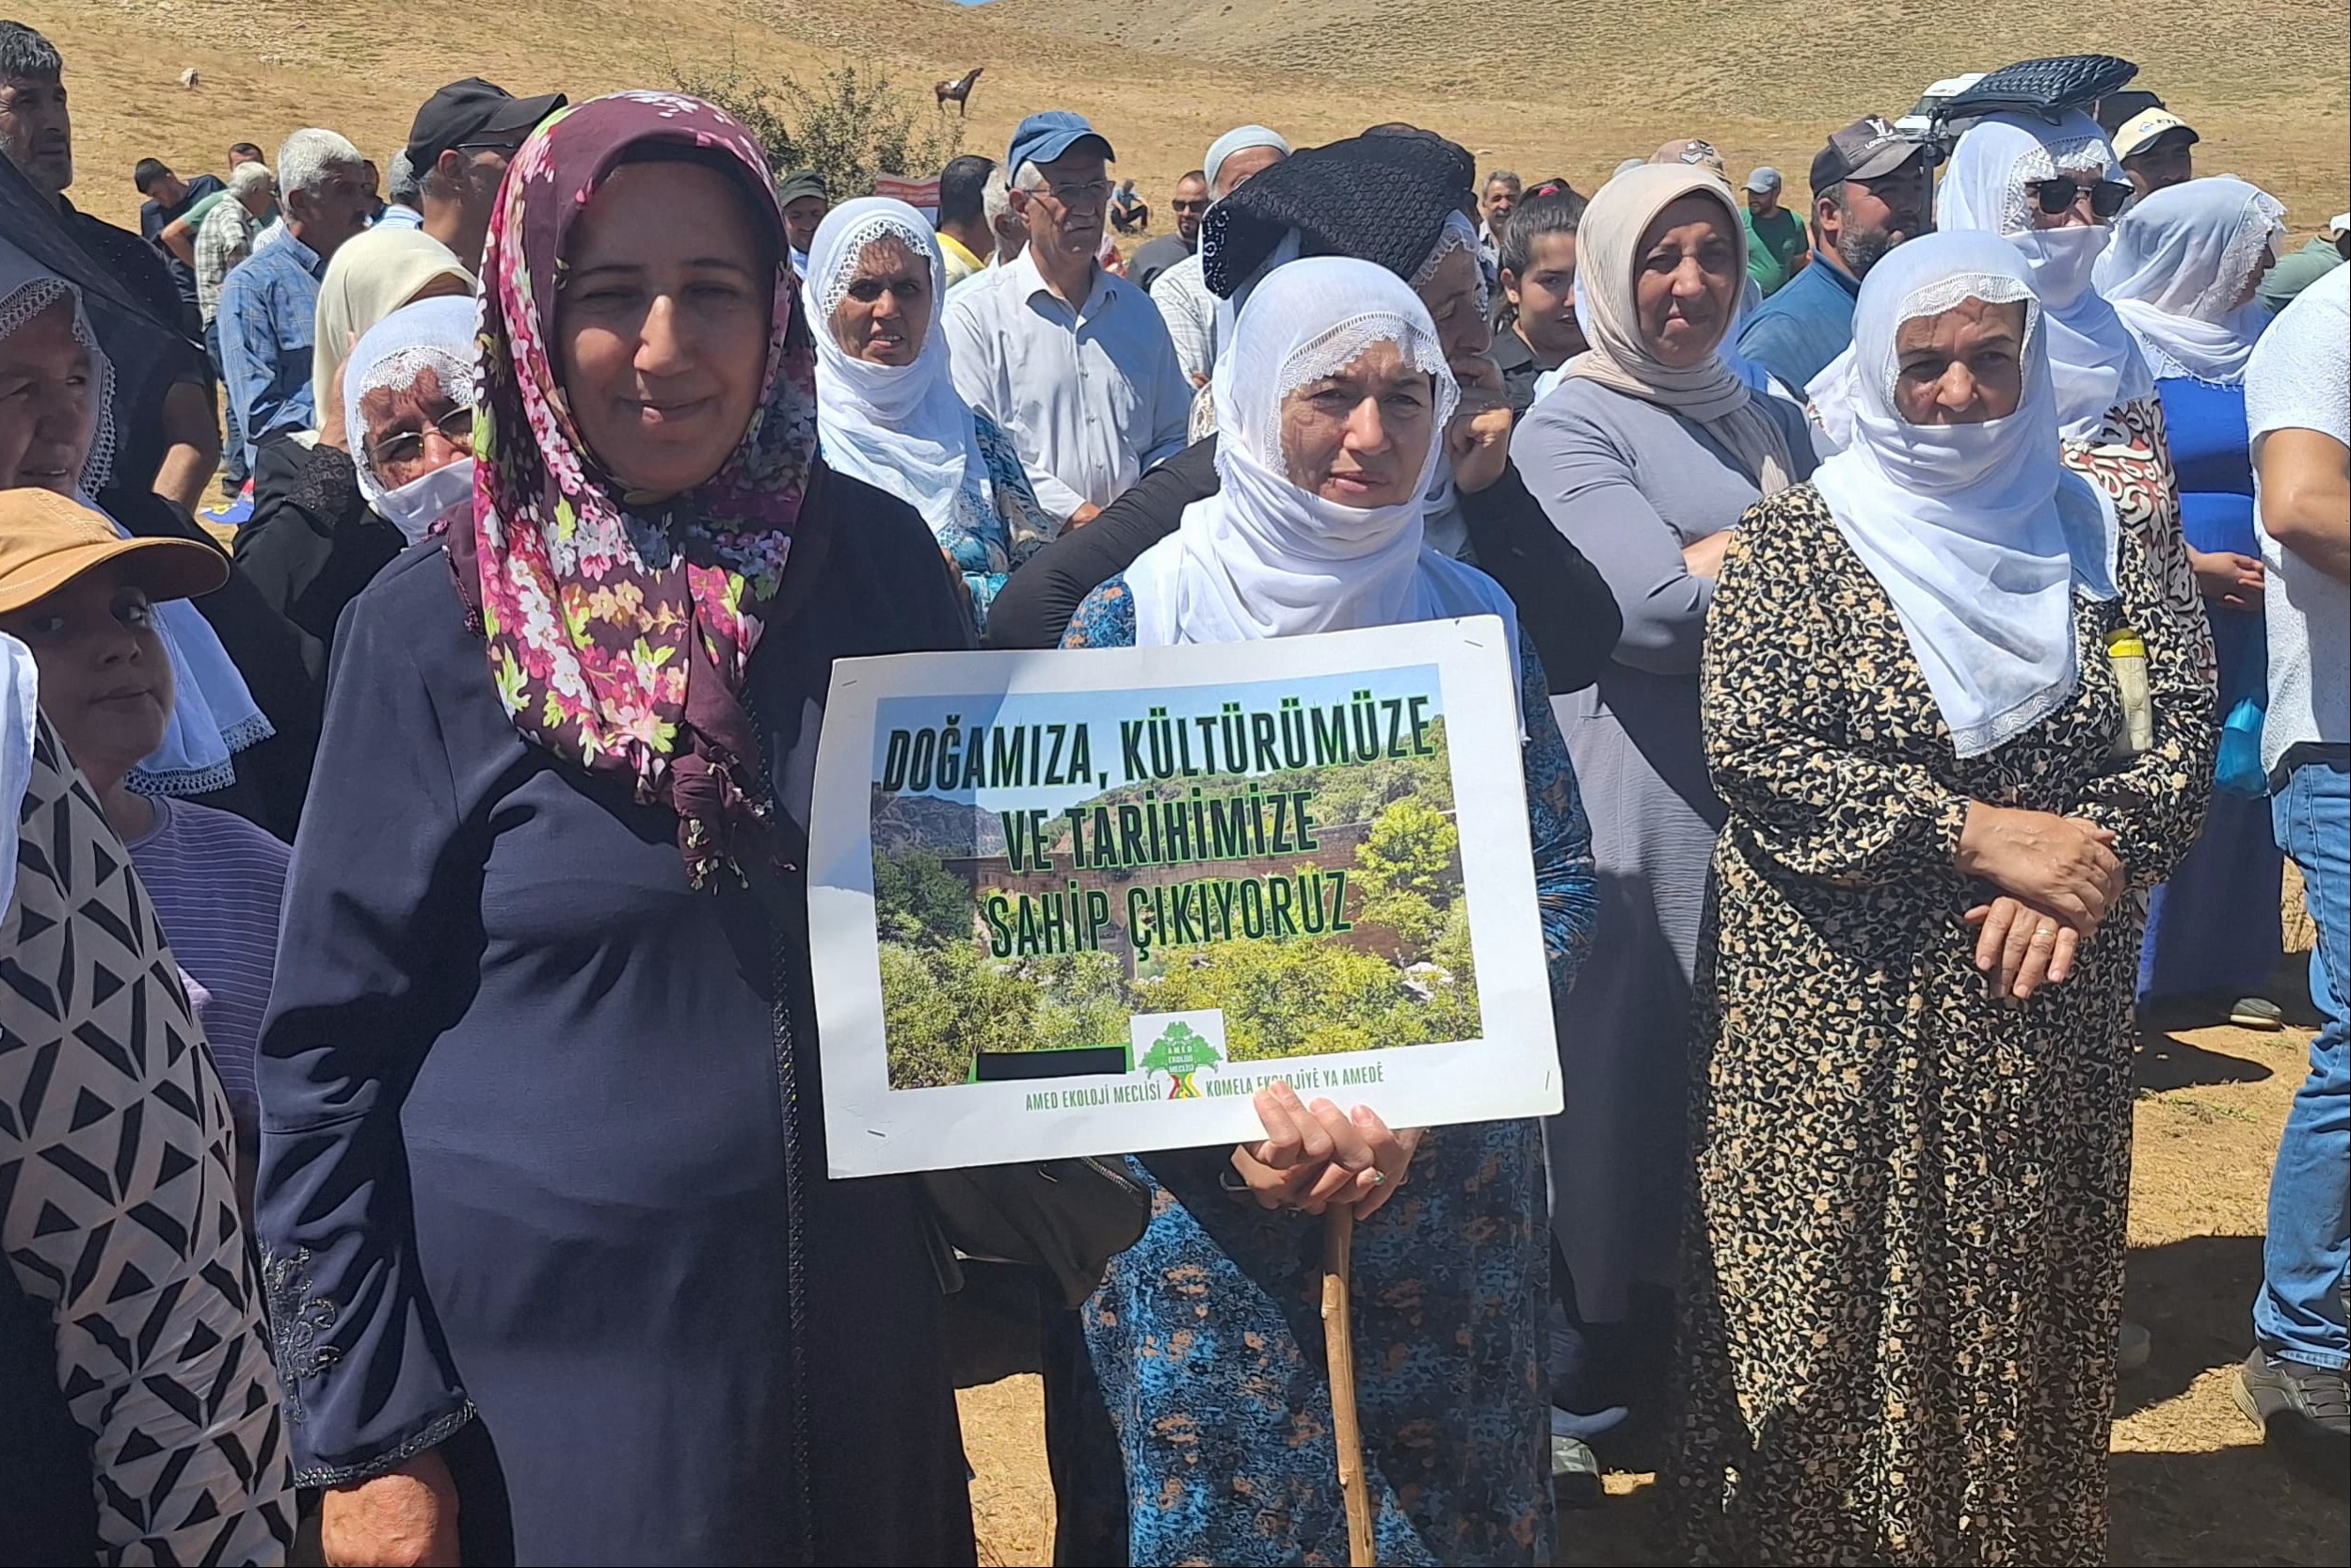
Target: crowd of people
x=1930 y=619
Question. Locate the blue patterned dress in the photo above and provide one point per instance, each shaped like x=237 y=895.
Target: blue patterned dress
x=1017 y=526
x=1206 y=1335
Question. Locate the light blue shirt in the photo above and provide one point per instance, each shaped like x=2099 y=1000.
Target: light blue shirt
x=268 y=324
x=1090 y=397
x=1804 y=325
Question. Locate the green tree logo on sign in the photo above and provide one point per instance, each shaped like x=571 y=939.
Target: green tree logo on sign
x=1179 y=1053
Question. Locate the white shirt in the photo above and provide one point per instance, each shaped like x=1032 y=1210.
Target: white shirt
x=2299 y=378
x=1090 y=398
x=1181 y=293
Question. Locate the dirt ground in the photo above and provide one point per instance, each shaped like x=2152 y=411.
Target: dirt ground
x=2190 y=1481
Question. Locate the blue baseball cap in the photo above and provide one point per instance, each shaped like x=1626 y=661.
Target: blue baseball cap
x=1042 y=137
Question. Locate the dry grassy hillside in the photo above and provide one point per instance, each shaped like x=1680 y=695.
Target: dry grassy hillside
x=2264 y=79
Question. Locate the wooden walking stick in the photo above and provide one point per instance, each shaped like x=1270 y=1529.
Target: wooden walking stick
x=1338 y=1344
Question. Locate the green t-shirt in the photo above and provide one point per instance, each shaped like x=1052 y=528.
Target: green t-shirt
x=1773 y=244
x=203 y=207
x=2298 y=270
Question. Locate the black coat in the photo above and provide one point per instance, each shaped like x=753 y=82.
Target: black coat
x=313 y=546
x=540 y=1119
x=1563 y=603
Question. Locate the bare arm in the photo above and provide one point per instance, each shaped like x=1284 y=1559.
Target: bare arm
x=192 y=429
x=2306 y=496
x=178 y=238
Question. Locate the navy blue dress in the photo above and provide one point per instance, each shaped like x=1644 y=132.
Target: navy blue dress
x=2213 y=928
x=530 y=1107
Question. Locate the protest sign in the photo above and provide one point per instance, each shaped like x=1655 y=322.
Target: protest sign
x=1087 y=902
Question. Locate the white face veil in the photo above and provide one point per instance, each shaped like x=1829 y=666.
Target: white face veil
x=1978 y=534
x=1266 y=557
x=214 y=715
x=435 y=335
x=2094 y=361
x=901 y=429
x=2180 y=273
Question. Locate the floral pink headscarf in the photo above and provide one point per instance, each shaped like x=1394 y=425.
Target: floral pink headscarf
x=618 y=638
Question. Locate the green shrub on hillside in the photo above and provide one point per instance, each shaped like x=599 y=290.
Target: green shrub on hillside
x=848 y=125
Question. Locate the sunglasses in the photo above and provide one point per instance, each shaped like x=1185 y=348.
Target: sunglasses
x=2106 y=197
x=406 y=446
x=1189 y=206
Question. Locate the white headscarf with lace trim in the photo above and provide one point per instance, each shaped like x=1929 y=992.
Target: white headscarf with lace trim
x=2093 y=359
x=434 y=335
x=901 y=429
x=2180 y=274
x=213 y=714
x=1266 y=557
x=1978 y=534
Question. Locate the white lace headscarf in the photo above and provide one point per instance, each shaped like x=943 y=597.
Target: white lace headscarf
x=26 y=289
x=1266 y=557
x=1446 y=528
x=214 y=715
x=1978 y=534
x=2094 y=360
x=901 y=429
x=2180 y=271
x=435 y=334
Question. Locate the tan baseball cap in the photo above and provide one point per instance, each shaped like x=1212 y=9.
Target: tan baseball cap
x=1689 y=150
x=2138 y=133
x=47 y=540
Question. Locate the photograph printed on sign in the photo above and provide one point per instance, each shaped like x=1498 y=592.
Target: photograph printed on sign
x=1167 y=885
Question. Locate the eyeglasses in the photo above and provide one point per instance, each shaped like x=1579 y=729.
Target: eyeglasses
x=1093 y=192
x=406 y=446
x=508 y=144
x=2106 y=197
x=1183 y=206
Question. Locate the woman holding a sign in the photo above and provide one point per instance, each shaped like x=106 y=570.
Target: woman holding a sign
x=1961 y=720
x=554 y=1272
x=1329 y=402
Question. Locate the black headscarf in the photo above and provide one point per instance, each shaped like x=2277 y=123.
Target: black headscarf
x=1382 y=197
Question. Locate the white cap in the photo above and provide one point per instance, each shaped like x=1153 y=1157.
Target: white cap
x=2139 y=132
x=1239 y=139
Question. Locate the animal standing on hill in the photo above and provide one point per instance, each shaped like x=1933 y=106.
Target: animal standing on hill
x=959 y=91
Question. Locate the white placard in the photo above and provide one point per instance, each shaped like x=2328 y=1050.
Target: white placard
x=1120 y=890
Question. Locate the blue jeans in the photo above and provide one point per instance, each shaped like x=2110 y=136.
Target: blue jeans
x=2299 y=1313
x=232 y=468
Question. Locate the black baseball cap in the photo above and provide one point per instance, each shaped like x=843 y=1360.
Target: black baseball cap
x=1865 y=149
x=471 y=112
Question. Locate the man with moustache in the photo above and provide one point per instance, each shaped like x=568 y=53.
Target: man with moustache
x=1870 y=187
x=1069 y=359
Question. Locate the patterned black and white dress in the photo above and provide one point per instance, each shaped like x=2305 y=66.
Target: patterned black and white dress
x=139 y=1406
x=1904 y=1255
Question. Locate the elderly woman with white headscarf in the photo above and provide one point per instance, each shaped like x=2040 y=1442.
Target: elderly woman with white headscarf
x=58 y=433
x=2051 y=190
x=887 y=408
x=1644 y=455
x=1960 y=719
x=2182 y=275
x=1331 y=396
x=401 y=460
